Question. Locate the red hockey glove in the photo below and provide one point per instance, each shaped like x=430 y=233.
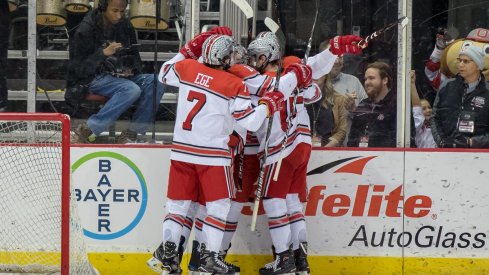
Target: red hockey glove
x=274 y=101
x=234 y=140
x=221 y=30
x=193 y=48
x=303 y=74
x=340 y=45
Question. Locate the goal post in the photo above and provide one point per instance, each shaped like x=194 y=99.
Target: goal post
x=40 y=230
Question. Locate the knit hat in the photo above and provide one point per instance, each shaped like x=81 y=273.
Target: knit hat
x=475 y=53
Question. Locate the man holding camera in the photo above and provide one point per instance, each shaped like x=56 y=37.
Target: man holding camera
x=104 y=60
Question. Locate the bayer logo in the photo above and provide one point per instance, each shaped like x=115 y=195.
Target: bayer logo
x=111 y=194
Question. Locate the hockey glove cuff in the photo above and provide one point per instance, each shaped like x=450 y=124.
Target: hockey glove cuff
x=340 y=45
x=274 y=101
x=303 y=74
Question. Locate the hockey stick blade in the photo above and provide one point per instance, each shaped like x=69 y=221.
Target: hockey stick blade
x=244 y=7
x=248 y=12
x=403 y=21
x=271 y=25
x=275 y=28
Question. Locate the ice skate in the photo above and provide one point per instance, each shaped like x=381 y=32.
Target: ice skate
x=211 y=263
x=283 y=265
x=300 y=257
x=223 y=254
x=165 y=259
x=194 y=263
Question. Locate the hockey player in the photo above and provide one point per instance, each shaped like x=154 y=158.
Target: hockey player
x=192 y=49
x=210 y=99
x=282 y=198
x=257 y=84
x=267 y=53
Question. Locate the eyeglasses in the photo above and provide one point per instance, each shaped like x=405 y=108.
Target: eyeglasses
x=464 y=61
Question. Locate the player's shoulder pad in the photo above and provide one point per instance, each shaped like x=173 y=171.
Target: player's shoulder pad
x=186 y=63
x=289 y=60
x=243 y=71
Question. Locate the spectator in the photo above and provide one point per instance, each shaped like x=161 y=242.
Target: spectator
x=4 y=34
x=332 y=131
x=345 y=84
x=105 y=61
x=461 y=108
x=374 y=119
x=422 y=117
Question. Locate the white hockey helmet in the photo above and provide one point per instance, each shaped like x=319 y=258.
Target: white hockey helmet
x=218 y=50
x=268 y=34
x=265 y=45
x=240 y=55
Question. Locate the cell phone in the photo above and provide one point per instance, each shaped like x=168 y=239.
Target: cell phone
x=130 y=48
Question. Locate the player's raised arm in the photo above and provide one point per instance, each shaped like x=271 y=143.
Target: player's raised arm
x=191 y=50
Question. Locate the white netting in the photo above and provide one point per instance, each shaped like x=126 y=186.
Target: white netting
x=30 y=200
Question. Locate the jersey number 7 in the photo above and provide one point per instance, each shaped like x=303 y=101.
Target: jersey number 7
x=201 y=99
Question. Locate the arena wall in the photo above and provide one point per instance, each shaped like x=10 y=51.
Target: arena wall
x=369 y=211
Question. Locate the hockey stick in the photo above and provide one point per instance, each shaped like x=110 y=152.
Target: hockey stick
x=275 y=28
x=289 y=124
x=180 y=13
x=245 y=7
x=403 y=21
x=248 y=12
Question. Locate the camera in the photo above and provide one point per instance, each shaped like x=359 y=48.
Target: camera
x=123 y=62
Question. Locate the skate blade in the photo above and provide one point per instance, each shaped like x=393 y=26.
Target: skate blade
x=302 y=273
x=155 y=265
x=209 y=273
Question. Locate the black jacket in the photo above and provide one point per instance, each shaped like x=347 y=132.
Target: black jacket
x=375 y=120
x=321 y=120
x=86 y=48
x=448 y=106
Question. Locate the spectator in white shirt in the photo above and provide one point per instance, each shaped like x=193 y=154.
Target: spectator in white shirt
x=422 y=114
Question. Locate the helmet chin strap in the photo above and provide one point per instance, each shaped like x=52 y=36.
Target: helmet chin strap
x=225 y=65
x=263 y=66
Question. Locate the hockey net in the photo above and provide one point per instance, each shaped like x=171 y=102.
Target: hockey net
x=40 y=231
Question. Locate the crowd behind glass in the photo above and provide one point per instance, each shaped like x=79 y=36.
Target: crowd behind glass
x=360 y=94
